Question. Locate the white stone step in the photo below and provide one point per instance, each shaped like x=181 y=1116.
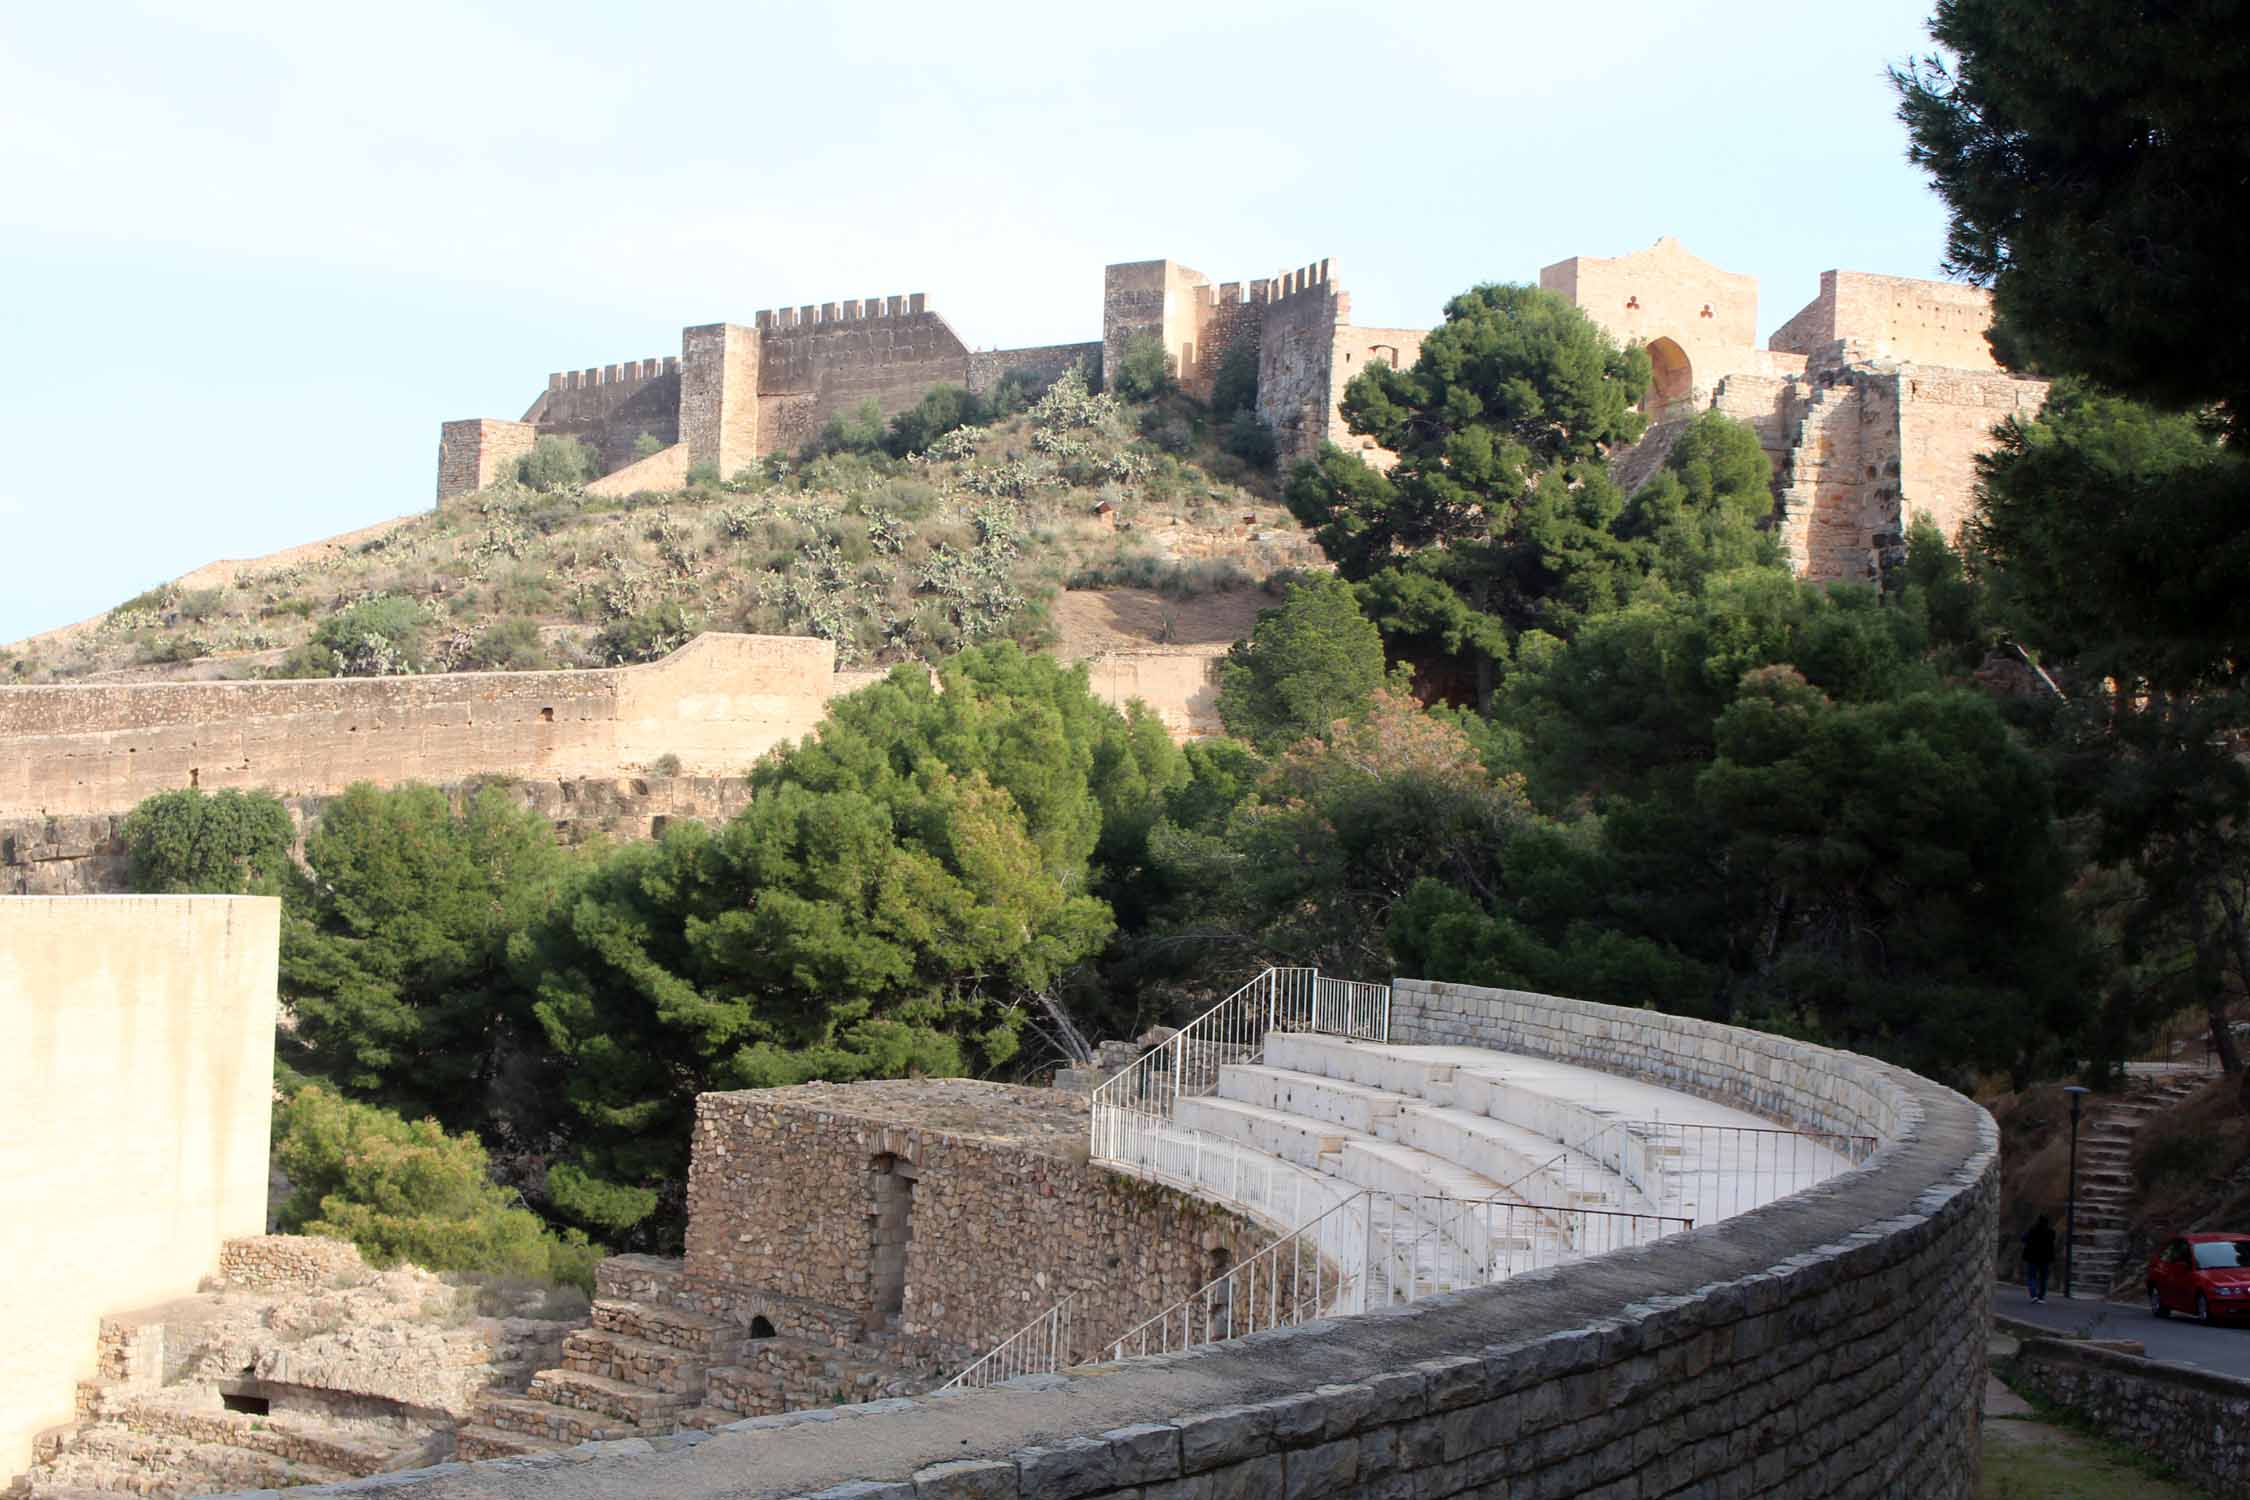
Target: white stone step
x=1293 y=1138
x=1351 y=1105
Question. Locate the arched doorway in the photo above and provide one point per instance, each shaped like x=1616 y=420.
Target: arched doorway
x=1672 y=378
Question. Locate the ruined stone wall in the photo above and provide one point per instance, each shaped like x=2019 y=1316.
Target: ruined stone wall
x=786 y=1217
x=474 y=453
x=276 y=1261
x=1048 y=362
x=1841 y=469
x=138 y=1077
x=717 y=703
x=1946 y=419
x=661 y=472
x=885 y=349
x=1137 y=298
x=2198 y=1421
x=1180 y=684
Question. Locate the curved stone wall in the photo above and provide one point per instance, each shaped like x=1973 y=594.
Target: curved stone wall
x=1829 y=1344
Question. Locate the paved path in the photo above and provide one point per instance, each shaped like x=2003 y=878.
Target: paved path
x=2175 y=1340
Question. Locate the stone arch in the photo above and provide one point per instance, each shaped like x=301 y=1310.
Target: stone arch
x=1672 y=376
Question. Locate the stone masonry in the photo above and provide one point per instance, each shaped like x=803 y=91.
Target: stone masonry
x=858 y=1242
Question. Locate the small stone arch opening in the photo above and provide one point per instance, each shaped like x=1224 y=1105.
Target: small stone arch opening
x=761 y=1327
x=1672 y=376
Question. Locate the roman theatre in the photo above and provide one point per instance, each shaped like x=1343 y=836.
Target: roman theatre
x=1413 y=1239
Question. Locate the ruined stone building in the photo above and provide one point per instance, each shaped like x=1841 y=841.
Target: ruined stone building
x=1872 y=402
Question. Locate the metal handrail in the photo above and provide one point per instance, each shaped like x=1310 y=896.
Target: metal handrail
x=1040 y=1347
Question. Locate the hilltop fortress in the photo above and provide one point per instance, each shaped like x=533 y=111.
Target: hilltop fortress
x=1872 y=402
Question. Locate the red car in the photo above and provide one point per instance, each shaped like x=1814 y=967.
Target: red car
x=2204 y=1274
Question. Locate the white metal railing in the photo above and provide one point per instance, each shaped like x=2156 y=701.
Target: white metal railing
x=1234 y=1031
x=1405 y=1247
x=1711 y=1172
x=1040 y=1347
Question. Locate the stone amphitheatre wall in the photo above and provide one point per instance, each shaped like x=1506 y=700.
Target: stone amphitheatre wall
x=138 y=1080
x=1831 y=1344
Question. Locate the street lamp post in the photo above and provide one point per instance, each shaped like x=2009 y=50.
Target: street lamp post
x=2077 y=1093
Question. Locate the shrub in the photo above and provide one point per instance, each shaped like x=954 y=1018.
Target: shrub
x=1174 y=580
x=1144 y=371
x=666 y=764
x=224 y=843
x=647 y=445
x=408 y=1191
x=1018 y=390
x=704 y=475
x=510 y=645
x=1248 y=438
x=154 y=650
x=558 y=463
x=201 y=604
x=941 y=409
x=645 y=636
x=380 y=636
x=1234 y=385
x=859 y=430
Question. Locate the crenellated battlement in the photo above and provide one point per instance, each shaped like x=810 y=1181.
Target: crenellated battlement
x=631 y=372
x=1318 y=277
x=859 y=310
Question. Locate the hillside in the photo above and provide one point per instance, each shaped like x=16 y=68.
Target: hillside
x=1079 y=525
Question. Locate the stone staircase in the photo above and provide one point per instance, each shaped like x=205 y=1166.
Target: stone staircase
x=2101 y=1264
x=1638 y=464
x=645 y=1368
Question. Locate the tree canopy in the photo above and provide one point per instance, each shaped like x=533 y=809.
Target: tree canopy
x=1311 y=660
x=226 y=843
x=2088 y=153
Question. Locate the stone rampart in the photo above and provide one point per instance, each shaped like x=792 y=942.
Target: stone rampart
x=274 y=1261
x=138 y=1075
x=1830 y=1344
x=2196 y=1420
x=717 y=703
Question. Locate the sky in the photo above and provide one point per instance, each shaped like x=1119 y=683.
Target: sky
x=255 y=253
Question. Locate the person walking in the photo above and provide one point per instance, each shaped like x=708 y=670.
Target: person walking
x=2038 y=1257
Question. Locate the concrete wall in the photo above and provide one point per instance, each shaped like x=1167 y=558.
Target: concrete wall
x=138 y=1080
x=1831 y=1344
x=2198 y=1421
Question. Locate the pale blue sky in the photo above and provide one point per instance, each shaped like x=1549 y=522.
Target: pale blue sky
x=255 y=251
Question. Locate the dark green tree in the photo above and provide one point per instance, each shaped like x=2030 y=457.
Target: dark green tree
x=1311 y=660
x=407 y=1191
x=941 y=409
x=1234 y=385
x=1498 y=516
x=394 y=962
x=2089 y=153
x=1144 y=370
x=904 y=894
x=226 y=842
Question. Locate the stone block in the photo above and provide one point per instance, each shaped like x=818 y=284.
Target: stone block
x=968 y=1479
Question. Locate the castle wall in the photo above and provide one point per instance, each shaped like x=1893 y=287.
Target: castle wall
x=885 y=349
x=1700 y=323
x=1297 y=381
x=719 y=375
x=1048 y=361
x=138 y=1077
x=718 y=703
x=1946 y=419
x=664 y=470
x=474 y=453
x=1923 y=322
x=1354 y=349
x=1156 y=297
